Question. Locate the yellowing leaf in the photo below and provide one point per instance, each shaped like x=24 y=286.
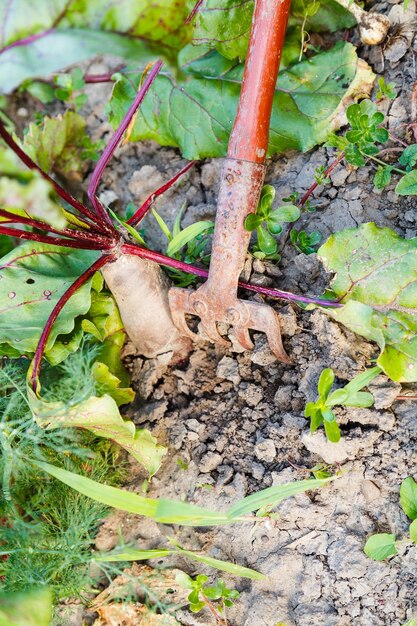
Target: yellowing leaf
x=26 y=193
x=27 y=608
x=132 y=614
x=101 y=417
x=58 y=143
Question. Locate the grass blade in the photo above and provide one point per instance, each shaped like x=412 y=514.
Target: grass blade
x=224 y=566
x=112 y=496
x=130 y=554
x=186 y=235
x=162 y=225
x=362 y=380
x=164 y=511
x=273 y=496
x=172 y=512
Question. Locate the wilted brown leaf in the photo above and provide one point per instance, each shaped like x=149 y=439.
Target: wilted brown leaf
x=131 y=615
x=144 y=583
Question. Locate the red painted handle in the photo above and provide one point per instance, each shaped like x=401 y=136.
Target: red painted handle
x=249 y=137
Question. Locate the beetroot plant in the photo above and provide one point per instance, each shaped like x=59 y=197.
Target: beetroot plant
x=88 y=239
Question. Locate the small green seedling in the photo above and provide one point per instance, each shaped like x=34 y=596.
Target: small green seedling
x=360 y=141
x=363 y=141
x=320 y=412
x=182 y=464
x=64 y=88
x=67 y=85
x=267 y=246
x=383 y=545
x=320 y=175
x=188 y=245
x=202 y=595
x=321 y=471
x=305 y=242
x=385 y=90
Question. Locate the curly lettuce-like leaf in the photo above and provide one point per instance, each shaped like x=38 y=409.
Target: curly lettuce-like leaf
x=58 y=143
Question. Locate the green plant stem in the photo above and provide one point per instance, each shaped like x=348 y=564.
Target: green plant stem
x=374 y=158
x=7 y=468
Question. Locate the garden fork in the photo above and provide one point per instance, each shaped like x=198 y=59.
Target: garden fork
x=241 y=183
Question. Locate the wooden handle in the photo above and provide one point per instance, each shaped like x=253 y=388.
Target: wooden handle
x=249 y=137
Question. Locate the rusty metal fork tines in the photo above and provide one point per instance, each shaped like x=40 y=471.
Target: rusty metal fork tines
x=216 y=300
x=242 y=317
x=241 y=183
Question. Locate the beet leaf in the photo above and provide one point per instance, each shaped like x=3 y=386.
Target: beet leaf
x=375 y=278
x=196 y=115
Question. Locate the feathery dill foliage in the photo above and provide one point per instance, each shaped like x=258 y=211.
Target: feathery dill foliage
x=46 y=528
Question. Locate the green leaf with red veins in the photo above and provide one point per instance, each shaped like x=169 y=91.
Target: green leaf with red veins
x=135 y=31
x=80 y=29
x=33 y=277
x=197 y=114
x=21 y=18
x=158 y=22
x=224 y=25
x=62 y=48
x=376 y=280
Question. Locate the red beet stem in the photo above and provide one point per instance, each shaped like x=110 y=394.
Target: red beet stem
x=54 y=241
x=326 y=173
x=141 y=212
x=27 y=40
x=77 y=235
x=40 y=349
x=194 y=11
x=96 y=223
x=114 y=142
x=161 y=259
